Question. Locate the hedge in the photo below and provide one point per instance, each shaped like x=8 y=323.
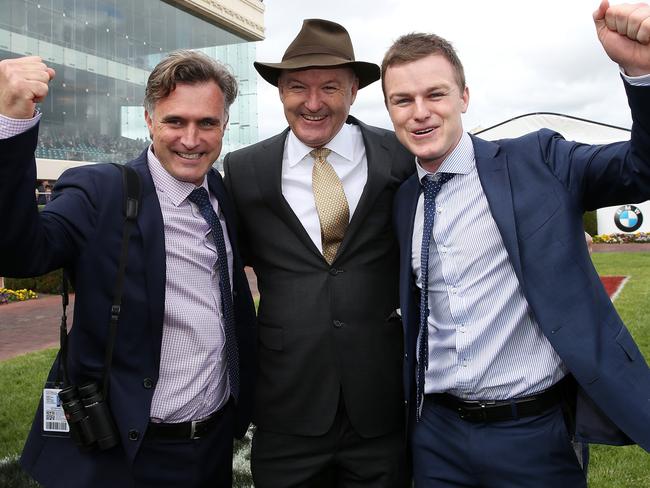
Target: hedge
x=49 y=283
x=590 y=223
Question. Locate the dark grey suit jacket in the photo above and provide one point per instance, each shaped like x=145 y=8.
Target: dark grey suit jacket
x=324 y=330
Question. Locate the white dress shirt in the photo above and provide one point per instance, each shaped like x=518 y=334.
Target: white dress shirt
x=348 y=158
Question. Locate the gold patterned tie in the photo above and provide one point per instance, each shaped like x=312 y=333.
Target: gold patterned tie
x=331 y=204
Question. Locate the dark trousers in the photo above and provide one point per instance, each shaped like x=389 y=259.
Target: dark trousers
x=531 y=452
x=198 y=463
x=340 y=458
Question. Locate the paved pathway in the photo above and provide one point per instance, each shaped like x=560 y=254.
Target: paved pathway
x=632 y=247
x=34 y=325
x=31 y=325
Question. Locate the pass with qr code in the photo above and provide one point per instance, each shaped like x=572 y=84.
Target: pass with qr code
x=53 y=416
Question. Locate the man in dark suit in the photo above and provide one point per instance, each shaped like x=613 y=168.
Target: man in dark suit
x=182 y=366
x=314 y=204
x=513 y=348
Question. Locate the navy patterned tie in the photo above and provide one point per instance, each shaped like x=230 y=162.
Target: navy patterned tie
x=431 y=185
x=200 y=197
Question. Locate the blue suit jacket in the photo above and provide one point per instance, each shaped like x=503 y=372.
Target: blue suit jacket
x=538 y=186
x=81 y=229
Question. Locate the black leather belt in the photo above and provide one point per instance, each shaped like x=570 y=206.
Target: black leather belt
x=497 y=410
x=194 y=429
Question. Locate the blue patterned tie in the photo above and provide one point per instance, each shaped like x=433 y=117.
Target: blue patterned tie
x=431 y=185
x=200 y=197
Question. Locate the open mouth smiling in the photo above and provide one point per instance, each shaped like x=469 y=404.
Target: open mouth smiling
x=313 y=118
x=189 y=155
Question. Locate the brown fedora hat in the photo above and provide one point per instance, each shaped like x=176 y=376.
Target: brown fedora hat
x=320 y=43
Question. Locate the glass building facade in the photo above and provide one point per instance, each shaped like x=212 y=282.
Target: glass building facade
x=103 y=52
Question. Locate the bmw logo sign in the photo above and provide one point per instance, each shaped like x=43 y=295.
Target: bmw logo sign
x=628 y=218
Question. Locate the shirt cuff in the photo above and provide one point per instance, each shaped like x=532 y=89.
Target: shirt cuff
x=642 y=80
x=12 y=127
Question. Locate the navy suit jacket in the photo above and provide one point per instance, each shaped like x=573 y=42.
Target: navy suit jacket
x=81 y=230
x=538 y=186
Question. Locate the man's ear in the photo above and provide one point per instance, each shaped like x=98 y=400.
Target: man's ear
x=354 y=89
x=465 y=99
x=281 y=91
x=149 y=120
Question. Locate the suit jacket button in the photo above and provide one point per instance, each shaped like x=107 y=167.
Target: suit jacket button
x=147 y=383
x=134 y=435
x=335 y=271
x=338 y=324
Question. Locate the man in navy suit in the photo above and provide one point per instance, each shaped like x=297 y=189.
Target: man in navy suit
x=512 y=347
x=182 y=365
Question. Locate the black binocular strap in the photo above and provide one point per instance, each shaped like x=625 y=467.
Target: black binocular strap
x=62 y=367
x=131 y=204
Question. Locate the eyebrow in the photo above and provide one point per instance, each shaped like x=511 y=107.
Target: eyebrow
x=170 y=117
x=328 y=81
x=433 y=88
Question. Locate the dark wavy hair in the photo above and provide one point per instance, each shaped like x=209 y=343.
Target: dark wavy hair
x=186 y=66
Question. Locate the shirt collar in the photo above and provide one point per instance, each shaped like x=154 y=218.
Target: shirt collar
x=459 y=161
x=176 y=190
x=342 y=144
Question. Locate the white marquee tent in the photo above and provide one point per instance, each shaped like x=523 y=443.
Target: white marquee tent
x=617 y=219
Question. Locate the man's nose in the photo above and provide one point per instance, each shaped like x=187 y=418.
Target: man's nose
x=421 y=110
x=314 y=101
x=190 y=137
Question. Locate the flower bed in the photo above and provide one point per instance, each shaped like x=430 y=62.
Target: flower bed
x=7 y=295
x=642 y=237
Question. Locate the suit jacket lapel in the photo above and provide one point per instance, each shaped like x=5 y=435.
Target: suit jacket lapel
x=217 y=188
x=379 y=169
x=151 y=226
x=269 y=181
x=492 y=167
x=404 y=218
x=413 y=191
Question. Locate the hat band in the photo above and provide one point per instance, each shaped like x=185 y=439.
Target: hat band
x=315 y=50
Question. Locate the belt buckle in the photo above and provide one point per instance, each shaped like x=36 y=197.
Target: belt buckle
x=193 y=432
x=483 y=410
x=478 y=412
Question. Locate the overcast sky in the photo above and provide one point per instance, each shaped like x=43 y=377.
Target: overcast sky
x=520 y=56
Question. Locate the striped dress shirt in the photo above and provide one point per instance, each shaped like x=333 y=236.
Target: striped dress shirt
x=484 y=342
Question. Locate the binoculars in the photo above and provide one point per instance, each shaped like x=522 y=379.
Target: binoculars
x=90 y=421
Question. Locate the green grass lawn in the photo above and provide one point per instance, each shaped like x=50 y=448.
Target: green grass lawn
x=629 y=466
x=21 y=381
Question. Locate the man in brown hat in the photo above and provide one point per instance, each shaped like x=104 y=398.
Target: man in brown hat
x=314 y=204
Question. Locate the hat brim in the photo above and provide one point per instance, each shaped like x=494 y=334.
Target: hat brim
x=366 y=72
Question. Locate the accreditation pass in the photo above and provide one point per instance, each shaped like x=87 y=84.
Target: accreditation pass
x=53 y=415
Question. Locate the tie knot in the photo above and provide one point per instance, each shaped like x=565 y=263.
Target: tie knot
x=432 y=184
x=436 y=180
x=321 y=153
x=199 y=196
